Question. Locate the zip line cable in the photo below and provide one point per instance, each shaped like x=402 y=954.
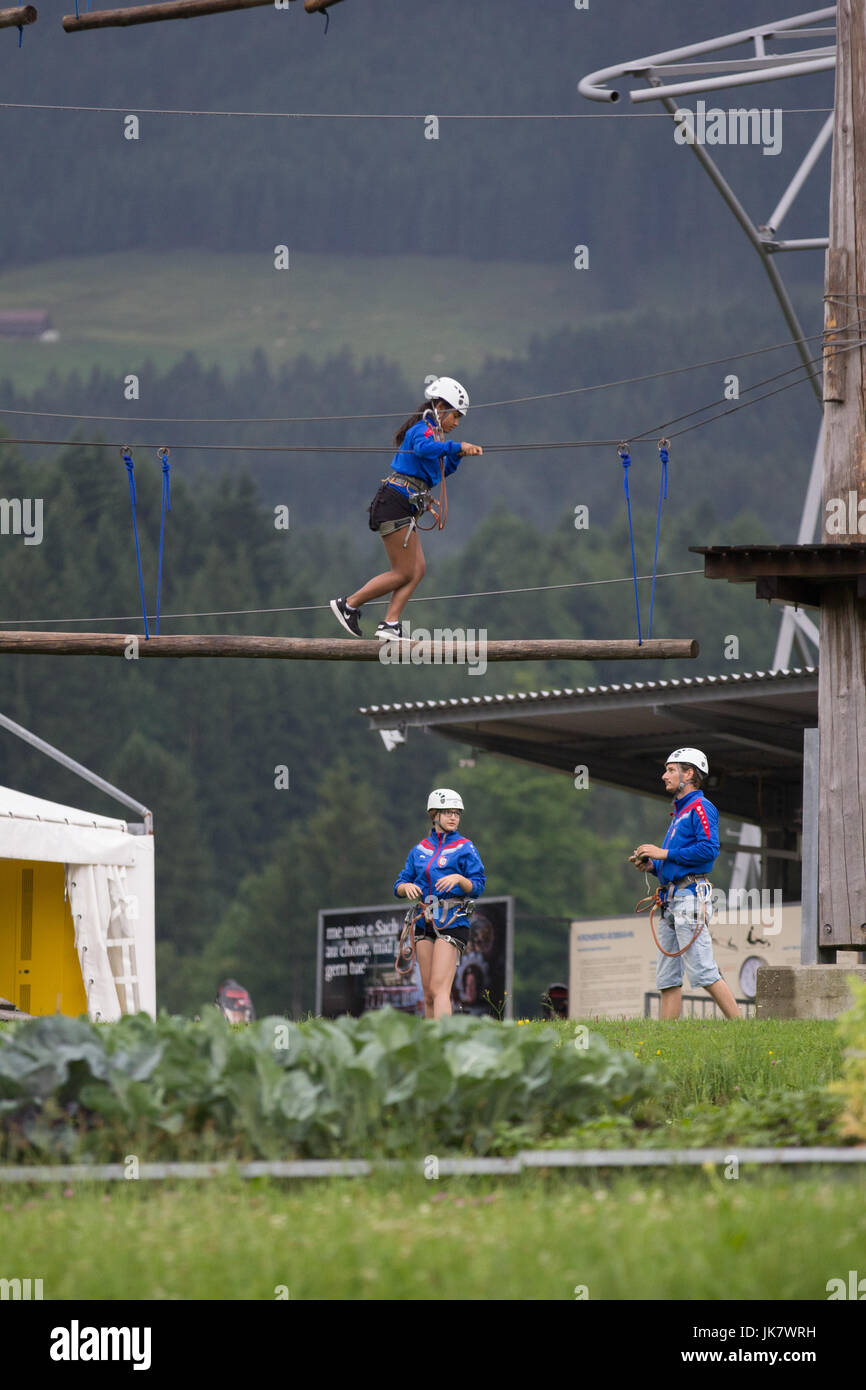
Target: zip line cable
x=380 y=449
x=398 y=414
x=323 y=607
x=799 y=367
x=636 y=438
x=378 y=115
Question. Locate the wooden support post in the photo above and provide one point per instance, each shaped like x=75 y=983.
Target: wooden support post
x=152 y=14
x=456 y=652
x=14 y=19
x=842 y=666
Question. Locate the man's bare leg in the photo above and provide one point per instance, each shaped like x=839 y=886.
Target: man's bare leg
x=672 y=1002
x=724 y=998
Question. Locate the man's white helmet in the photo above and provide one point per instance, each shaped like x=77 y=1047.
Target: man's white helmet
x=444 y=799
x=445 y=388
x=693 y=756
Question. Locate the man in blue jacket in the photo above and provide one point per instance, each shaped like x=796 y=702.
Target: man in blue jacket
x=682 y=864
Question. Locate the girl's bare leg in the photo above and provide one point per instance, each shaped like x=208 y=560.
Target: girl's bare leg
x=444 y=968
x=424 y=953
x=406 y=572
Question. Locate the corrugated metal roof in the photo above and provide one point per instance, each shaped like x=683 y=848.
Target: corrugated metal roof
x=540 y=696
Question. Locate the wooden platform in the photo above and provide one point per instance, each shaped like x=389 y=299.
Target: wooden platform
x=445 y=652
x=793 y=574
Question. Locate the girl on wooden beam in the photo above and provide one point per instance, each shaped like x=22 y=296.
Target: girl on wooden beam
x=423 y=458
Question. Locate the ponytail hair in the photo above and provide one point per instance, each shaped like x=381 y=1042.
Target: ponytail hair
x=413 y=420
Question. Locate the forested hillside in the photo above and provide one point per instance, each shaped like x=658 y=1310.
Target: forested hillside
x=242 y=867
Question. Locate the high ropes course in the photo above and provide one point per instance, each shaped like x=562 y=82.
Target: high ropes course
x=454 y=645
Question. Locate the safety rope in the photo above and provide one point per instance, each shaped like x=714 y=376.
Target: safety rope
x=625 y=459
x=656 y=900
x=130 y=469
x=637 y=438
x=324 y=607
x=163 y=454
x=398 y=414
x=406 y=948
x=664 y=455
x=437 y=505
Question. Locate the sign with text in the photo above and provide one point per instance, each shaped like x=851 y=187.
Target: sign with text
x=357 y=947
x=613 y=959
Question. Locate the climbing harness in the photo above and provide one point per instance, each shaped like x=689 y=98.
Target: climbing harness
x=424 y=500
x=453 y=907
x=703 y=894
x=625 y=460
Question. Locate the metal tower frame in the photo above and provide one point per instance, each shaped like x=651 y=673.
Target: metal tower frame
x=713 y=74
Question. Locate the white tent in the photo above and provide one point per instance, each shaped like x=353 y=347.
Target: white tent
x=108 y=881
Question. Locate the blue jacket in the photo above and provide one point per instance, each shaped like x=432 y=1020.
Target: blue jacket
x=434 y=857
x=419 y=456
x=692 y=840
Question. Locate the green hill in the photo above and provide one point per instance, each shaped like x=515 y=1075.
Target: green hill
x=119 y=311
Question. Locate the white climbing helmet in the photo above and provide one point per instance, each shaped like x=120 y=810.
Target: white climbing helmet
x=445 y=388
x=693 y=756
x=444 y=799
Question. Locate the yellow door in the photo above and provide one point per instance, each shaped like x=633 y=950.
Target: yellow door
x=39 y=968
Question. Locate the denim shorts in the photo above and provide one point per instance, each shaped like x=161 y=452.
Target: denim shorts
x=675 y=930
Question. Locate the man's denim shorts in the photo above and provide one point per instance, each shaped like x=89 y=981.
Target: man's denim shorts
x=674 y=931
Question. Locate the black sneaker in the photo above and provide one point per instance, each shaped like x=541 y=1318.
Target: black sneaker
x=347 y=616
x=391 y=632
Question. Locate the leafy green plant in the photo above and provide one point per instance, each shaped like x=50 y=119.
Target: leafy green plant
x=386 y=1083
x=852 y=1087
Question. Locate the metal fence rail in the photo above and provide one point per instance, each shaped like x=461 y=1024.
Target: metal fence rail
x=526 y=1160
x=653 y=996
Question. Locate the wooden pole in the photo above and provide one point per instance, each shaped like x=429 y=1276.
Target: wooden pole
x=339 y=649
x=14 y=19
x=842 y=665
x=312 y=6
x=152 y=14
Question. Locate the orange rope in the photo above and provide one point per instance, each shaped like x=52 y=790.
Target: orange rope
x=437 y=505
x=657 y=901
x=405 y=962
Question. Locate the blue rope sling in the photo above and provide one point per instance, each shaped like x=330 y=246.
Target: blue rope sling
x=625 y=460
x=126 y=454
x=162 y=455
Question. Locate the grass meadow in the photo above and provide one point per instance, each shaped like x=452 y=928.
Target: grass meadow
x=712 y=1232
x=659 y=1234
x=139 y=308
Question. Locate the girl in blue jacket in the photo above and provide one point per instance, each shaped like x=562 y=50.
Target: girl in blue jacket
x=423 y=457
x=445 y=870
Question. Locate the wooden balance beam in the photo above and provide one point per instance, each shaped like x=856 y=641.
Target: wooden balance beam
x=338 y=649
x=14 y=19
x=152 y=14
